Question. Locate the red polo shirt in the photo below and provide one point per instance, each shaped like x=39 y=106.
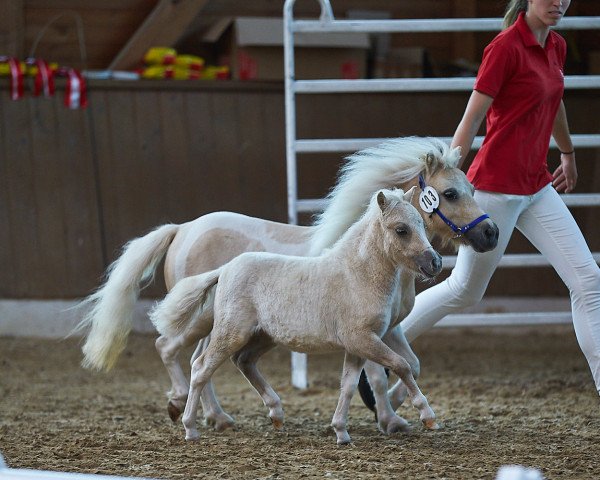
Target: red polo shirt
x=526 y=82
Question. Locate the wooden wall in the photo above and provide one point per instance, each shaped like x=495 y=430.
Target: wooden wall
x=109 y=24
x=76 y=185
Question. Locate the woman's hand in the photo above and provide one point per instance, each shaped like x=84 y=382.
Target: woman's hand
x=565 y=176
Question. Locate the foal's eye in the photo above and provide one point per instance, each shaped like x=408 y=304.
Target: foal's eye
x=402 y=230
x=451 y=194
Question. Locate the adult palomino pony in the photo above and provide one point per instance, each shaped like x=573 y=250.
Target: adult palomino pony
x=212 y=240
x=344 y=299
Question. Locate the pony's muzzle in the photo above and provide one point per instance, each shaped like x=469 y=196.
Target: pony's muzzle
x=483 y=237
x=430 y=263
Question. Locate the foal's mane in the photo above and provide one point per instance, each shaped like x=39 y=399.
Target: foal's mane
x=387 y=165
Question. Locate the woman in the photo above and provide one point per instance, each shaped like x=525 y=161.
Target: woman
x=519 y=90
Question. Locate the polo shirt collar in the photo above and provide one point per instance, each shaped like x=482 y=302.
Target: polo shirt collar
x=527 y=36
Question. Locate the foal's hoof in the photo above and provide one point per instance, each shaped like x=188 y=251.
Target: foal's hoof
x=174 y=412
x=277 y=423
x=344 y=441
x=192 y=436
x=431 y=424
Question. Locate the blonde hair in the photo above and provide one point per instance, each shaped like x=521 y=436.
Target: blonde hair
x=513 y=9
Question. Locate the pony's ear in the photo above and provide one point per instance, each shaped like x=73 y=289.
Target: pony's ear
x=430 y=160
x=455 y=155
x=408 y=196
x=382 y=201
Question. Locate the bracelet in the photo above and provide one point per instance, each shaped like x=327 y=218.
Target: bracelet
x=567 y=153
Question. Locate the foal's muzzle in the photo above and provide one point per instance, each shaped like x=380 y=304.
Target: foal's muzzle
x=430 y=263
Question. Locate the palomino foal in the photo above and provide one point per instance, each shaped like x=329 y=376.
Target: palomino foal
x=343 y=299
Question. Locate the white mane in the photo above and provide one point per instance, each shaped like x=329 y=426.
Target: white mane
x=371 y=210
x=387 y=165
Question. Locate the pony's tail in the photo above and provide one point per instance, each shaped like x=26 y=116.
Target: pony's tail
x=184 y=303
x=111 y=314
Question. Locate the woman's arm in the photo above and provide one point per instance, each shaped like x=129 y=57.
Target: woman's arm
x=468 y=127
x=565 y=176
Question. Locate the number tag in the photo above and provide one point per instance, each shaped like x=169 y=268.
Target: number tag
x=429 y=199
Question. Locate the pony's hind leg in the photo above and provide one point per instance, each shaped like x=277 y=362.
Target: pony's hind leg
x=214 y=415
x=350 y=375
x=245 y=360
x=387 y=419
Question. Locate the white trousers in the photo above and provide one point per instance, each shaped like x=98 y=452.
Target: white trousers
x=547 y=223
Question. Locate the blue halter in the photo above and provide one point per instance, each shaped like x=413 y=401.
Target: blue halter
x=460 y=231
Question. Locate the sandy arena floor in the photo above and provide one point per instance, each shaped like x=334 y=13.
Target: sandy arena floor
x=501 y=397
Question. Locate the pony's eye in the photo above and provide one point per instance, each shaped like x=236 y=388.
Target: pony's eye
x=451 y=194
x=402 y=230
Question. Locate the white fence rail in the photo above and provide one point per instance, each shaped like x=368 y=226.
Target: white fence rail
x=293 y=87
x=27 y=474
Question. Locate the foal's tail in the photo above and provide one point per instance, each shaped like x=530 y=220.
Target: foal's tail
x=184 y=303
x=111 y=315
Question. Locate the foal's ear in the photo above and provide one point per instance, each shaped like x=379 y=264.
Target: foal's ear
x=408 y=196
x=382 y=201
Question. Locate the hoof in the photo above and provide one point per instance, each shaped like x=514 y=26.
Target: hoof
x=344 y=441
x=174 y=412
x=220 y=422
x=398 y=424
x=431 y=424
x=343 y=438
x=277 y=424
x=192 y=436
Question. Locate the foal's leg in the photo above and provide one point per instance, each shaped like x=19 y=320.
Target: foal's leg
x=387 y=419
x=214 y=415
x=397 y=341
x=387 y=402
x=245 y=361
x=169 y=349
x=350 y=375
x=372 y=347
x=219 y=349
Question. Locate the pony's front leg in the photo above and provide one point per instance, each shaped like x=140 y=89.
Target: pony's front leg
x=214 y=415
x=245 y=361
x=350 y=375
x=373 y=348
x=397 y=341
x=387 y=419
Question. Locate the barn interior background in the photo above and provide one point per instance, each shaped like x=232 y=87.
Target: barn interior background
x=76 y=184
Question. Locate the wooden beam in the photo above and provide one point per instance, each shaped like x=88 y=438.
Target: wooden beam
x=162 y=28
x=12 y=28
